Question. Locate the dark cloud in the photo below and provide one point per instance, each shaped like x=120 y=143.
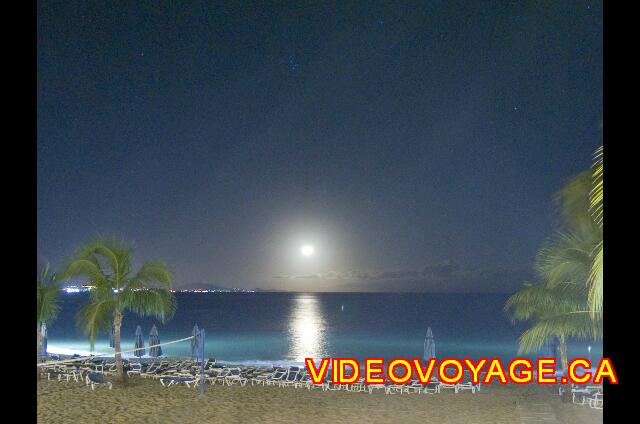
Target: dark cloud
x=443 y=277
x=440 y=270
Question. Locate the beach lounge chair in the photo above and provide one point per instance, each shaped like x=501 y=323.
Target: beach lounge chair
x=305 y=381
x=187 y=380
x=358 y=386
x=149 y=370
x=220 y=376
x=234 y=376
x=59 y=375
x=76 y=374
x=327 y=384
x=94 y=365
x=155 y=373
x=466 y=386
x=581 y=393
x=97 y=379
x=596 y=401
x=413 y=386
x=381 y=386
x=393 y=389
x=447 y=386
x=291 y=377
x=251 y=373
x=109 y=369
x=213 y=372
x=63 y=373
x=432 y=387
x=136 y=369
x=275 y=378
x=261 y=378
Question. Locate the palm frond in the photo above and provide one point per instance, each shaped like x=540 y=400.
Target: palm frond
x=85 y=266
x=573 y=200
x=538 y=300
x=596 y=195
x=566 y=259
x=578 y=324
x=118 y=254
x=595 y=281
x=159 y=303
x=48 y=291
x=153 y=273
x=95 y=317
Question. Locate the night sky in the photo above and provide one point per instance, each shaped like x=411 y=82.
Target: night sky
x=416 y=146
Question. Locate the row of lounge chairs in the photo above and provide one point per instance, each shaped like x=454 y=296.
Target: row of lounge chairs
x=93 y=371
x=67 y=374
x=188 y=373
x=174 y=373
x=75 y=371
x=297 y=377
x=588 y=395
x=414 y=386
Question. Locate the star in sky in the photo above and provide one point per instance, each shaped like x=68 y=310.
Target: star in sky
x=292 y=63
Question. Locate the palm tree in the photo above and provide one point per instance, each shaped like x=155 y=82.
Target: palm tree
x=563 y=305
x=581 y=204
x=107 y=262
x=557 y=312
x=568 y=258
x=48 y=303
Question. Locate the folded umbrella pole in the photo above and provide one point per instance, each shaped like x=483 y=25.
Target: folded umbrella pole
x=429 y=346
x=139 y=347
x=154 y=339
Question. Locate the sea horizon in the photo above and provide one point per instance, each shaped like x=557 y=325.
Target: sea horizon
x=282 y=328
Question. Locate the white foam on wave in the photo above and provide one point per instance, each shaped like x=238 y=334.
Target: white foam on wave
x=58 y=350
x=259 y=363
x=102 y=349
x=54 y=349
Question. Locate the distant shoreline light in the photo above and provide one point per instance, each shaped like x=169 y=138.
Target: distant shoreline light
x=85 y=288
x=232 y=290
x=78 y=288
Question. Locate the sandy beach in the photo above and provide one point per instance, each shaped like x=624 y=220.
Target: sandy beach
x=146 y=401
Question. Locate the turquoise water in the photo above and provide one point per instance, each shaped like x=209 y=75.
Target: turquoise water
x=269 y=328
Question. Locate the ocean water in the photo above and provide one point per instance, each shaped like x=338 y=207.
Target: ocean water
x=280 y=328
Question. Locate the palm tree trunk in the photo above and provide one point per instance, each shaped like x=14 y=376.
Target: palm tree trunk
x=117 y=322
x=39 y=345
x=39 y=352
x=564 y=362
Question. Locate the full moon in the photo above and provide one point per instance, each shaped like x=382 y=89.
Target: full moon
x=307 y=250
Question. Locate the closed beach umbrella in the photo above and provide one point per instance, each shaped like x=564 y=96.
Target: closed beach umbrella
x=154 y=339
x=112 y=336
x=43 y=338
x=429 y=346
x=194 y=341
x=139 y=348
